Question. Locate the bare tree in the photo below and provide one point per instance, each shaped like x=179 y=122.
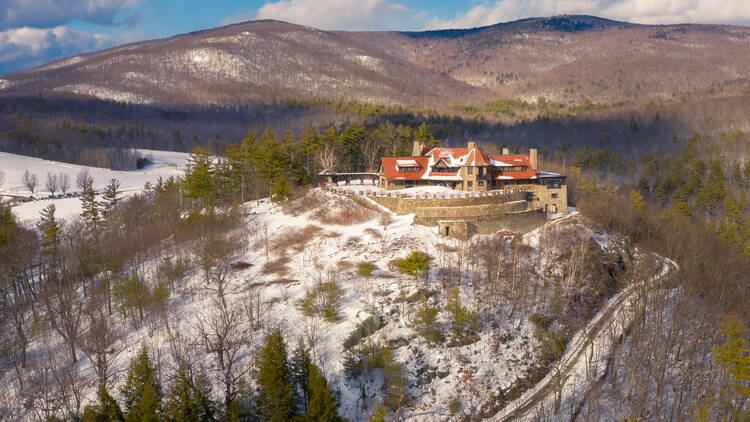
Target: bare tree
x=2 y=178
x=371 y=150
x=327 y=158
x=99 y=343
x=84 y=178
x=216 y=253
x=64 y=180
x=30 y=181
x=222 y=337
x=51 y=183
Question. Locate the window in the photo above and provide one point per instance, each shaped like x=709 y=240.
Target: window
x=481 y=171
x=480 y=184
x=409 y=183
x=554 y=196
x=469 y=185
x=469 y=170
x=408 y=169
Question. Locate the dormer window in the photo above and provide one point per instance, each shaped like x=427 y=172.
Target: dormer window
x=408 y=166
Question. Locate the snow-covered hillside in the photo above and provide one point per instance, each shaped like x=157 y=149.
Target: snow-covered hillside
x=163 y=164
x=519 y=298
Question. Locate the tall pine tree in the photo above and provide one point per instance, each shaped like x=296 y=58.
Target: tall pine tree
x=106 y=410
x=188 y=398
x=322 y=406
x=275 y=397
x=142 y=391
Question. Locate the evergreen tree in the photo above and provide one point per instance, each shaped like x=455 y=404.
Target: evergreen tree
x=322 y=406
x=106 y=410
x=110 y=196
x=280 y=190
x=299 y=367
x=142 y=391
x=188 y=398
x=50 y=229
x=424 y=134
x=198 y=184
x=8 y=225
x=351 y=140
x=90 y=209
x=734 y=355
x=425 y=322
x=275 y=397
x=416 y=264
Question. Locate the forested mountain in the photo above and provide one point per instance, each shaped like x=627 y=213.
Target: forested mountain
x=566 y=59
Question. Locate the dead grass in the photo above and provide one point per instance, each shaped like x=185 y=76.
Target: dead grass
x=293 y=240
x=277 y=267
x=374 y=233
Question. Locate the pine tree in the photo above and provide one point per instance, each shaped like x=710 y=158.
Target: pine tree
x=142 y=391
x=425 y=322
x=106 y=410
x=90 y=209
x=280 y=190
x=8 y=225
x=50 y=228
x=299 y=367
x=275 y=399
x=110 y=196
x=416 y=264
x=198 y=184
x=188 y=398
x=322 y=405
x=734 y=355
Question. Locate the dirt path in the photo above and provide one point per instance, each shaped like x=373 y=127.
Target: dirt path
x=596 y=328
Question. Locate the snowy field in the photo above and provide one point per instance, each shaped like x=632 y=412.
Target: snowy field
x=163 y=164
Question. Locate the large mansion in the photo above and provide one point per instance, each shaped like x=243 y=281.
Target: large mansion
x=472 y=170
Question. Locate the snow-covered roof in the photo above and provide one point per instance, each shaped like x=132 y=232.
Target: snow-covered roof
x=407 y=163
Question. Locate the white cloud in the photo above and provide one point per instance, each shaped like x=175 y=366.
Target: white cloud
x=49 y=13
x=26 y=47
x=637 y=11
x=338 y=14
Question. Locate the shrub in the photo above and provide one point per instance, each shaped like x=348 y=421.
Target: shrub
x=540 y=321
x=323 y=301
x=365 y=269
x=416 y=264
x=466 y=324
x=425 y=322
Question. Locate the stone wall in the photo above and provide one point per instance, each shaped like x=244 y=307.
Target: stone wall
x=402 y=206
x=542 y=197
x=459 y=229
x=520 y=222
x=429 y=216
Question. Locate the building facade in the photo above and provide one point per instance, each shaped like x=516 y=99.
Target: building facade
x=472 y=170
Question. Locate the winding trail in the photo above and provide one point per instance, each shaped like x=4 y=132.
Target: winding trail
x=594 y=334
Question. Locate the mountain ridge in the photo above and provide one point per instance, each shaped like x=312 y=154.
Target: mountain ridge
x=571 y=59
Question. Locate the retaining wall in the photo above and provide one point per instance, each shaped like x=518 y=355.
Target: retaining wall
x=402 y=205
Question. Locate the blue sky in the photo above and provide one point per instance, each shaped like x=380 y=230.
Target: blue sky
x=33 y=32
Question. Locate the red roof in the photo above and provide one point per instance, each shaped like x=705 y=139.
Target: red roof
x=513 y=160
x=459 y=157
x=391 y=169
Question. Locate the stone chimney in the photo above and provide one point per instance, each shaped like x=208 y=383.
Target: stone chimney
x=416 y=150
x=534 y=159
x=471 y=145
x=506 y=151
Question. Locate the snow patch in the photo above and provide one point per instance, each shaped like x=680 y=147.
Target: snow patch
x=105 y=93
